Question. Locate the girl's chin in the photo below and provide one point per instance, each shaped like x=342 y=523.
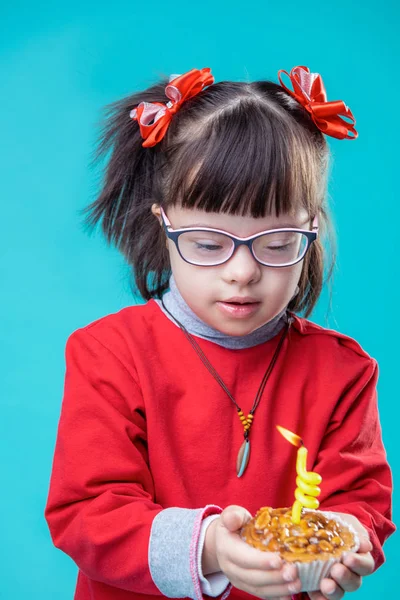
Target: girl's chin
x=239 y=325
x=236 y=327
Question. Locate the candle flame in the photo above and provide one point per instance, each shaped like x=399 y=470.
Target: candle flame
x=289 y=436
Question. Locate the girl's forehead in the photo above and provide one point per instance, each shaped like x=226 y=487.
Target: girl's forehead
x=240 y=225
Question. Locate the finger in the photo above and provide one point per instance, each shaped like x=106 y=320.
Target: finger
x=365 y=545
x=234 y=517
x=346 y=579
x=243 y=582
x=262 y=578
x=279 y=597
x=267 y=584
x=277 y=591
x=361 y=564
x=330 y=589
x=247 y=557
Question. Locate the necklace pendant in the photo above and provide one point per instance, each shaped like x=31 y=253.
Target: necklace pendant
x=243 y=458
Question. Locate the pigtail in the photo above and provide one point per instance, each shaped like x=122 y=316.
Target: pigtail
x=131 y=183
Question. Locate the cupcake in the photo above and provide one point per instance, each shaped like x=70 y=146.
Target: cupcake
x=314 y=545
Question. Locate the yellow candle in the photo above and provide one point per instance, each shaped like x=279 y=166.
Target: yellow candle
x=307 y=482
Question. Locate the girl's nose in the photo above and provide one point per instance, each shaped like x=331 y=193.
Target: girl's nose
x=242 y=267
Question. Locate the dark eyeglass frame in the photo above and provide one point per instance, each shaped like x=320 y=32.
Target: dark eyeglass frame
x=173 y=234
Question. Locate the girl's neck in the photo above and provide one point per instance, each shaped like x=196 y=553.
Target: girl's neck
x=177 y=306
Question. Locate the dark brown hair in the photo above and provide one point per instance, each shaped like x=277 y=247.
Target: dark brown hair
x=239 y=148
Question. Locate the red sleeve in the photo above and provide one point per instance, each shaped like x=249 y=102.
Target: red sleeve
x=357 y=478
x=101 y=500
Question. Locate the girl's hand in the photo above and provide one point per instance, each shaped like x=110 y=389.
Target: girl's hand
x=347 y=575
x=261 y=574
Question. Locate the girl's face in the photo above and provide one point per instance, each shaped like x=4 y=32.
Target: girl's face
x=213 y=293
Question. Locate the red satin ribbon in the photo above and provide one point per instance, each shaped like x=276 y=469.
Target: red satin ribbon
x=178 y=91
x=309 y=91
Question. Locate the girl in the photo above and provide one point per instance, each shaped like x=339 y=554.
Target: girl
x=215 y=193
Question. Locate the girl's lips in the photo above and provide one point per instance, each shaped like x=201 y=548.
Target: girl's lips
x=238 y=311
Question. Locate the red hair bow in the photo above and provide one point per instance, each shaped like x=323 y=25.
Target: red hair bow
x=309 y=91
x=154 y=118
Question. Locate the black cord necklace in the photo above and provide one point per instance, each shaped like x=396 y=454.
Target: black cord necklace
x=247 y=421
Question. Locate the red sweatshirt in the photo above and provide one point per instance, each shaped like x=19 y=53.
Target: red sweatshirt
x=145 y=427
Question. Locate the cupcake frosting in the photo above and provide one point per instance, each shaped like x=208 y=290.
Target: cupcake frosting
x=318 y=536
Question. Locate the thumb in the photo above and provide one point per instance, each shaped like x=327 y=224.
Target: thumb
x=234 y=517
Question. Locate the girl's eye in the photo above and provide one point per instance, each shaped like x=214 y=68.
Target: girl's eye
x=208 y=247
x=281 y=248
x=203 y=247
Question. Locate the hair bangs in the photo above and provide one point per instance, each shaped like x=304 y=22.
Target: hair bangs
x=249 y=159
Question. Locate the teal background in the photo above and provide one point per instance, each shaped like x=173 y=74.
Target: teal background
x=60 y=63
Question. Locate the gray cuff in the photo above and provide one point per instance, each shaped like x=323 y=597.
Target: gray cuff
x=173 y=551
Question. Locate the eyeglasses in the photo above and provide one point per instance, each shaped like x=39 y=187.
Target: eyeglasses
x=208 y=247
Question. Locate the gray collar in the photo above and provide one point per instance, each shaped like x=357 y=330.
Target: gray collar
x=178 y=308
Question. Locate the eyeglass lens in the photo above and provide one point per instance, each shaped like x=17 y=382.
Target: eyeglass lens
x=210 y=248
